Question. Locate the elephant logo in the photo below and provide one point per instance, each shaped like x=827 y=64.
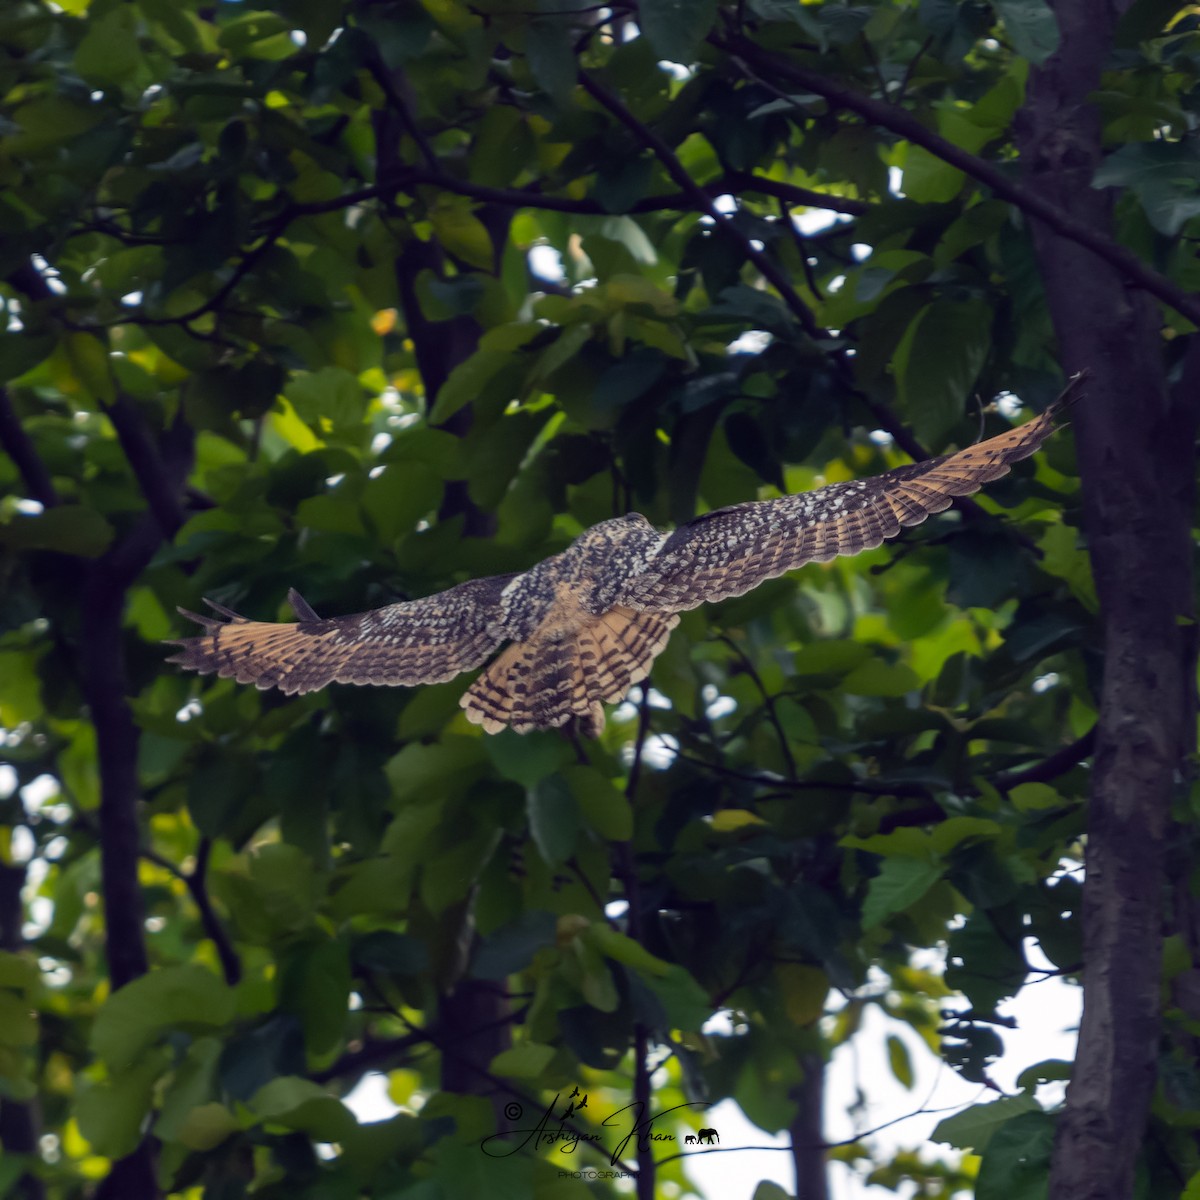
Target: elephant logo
x=707 y=1136
x=690 y=1140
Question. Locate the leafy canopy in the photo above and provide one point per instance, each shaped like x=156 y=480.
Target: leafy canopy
x=368 y=298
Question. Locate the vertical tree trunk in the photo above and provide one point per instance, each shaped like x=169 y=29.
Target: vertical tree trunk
x=807 y=1132
x=473 y=1015
x=19 y=1122
x=1138 y=469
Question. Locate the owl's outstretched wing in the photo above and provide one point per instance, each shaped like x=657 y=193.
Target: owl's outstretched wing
x=419 y=641
x=729 y=551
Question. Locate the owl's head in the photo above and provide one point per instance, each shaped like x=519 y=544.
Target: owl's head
x=617 y=531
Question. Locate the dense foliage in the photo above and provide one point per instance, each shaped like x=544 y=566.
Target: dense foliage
x=370 y=298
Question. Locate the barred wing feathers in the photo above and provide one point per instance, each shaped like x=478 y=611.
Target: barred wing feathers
x=429 y=640
x=727 y=552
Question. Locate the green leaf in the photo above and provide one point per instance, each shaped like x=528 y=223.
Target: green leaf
x=400 y=496
x=179 y=997
x=685 y=1002
x=986 y=570
x=512 y=948
x=67 y=528
x=625 y=950
x=900 y=1061
x=109 y=52
x=1016 y=1163
x=328 y=399
x=928 y=179
x=207 y=1126
x=315 y=987
x=974 y=1127
x=1064 y=558
x=421 y=773
x=803 y=990
x=767 y=1189
x=1165 y=177
x=1051 y=1070
x=21 y=352
x=526 y=1061
x=831 y=657
x=552 y=58
x=18 y=972
x=553 y=819
x=985 y=963
x=391 y=953
x=285 y=886
x=1033 y=797
x=111 y=1113
x=938 y=361
x=1144 y=20
x=677 y=27
x=602 y=806
x=528 y=758
x=878 y=678
x=1032 y=28
x=901 y=882
x=462 y=233
x=18 y=1027
x=466 y=381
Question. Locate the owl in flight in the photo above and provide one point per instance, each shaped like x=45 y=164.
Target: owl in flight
x=584 y=626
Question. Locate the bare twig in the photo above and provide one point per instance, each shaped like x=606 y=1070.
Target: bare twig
x=769 y=701
x=395 y=97
x=18 y=445
x=907 y=126
x=1051 y=767
x=703 y=201
x=810 y=275
x=196 y=883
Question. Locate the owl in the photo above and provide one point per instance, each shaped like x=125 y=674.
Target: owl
x=579 y=629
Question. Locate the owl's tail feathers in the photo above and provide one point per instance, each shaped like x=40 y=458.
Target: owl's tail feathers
x=543 y=683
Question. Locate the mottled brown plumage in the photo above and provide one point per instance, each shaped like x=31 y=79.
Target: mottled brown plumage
x=585 y=625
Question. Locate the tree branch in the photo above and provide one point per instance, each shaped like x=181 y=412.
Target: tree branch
x=1042 y=771
x=704 y=202
x=196 y=883
x=18 y=445
x=373 y=1053
x=775 y=276
x=146 y=460
x=383 y=75
x=1052 y=766
x=407 y=177
x=907 y=126
x=769 y=701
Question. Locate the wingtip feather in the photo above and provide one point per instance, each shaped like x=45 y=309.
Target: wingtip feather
x=301 y=607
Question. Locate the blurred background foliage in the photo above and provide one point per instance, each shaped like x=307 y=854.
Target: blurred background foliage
x=371 y=298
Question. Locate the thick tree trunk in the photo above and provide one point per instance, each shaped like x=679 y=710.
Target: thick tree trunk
x=1136 y=456
x=19 y=1121
x=473 y=1015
